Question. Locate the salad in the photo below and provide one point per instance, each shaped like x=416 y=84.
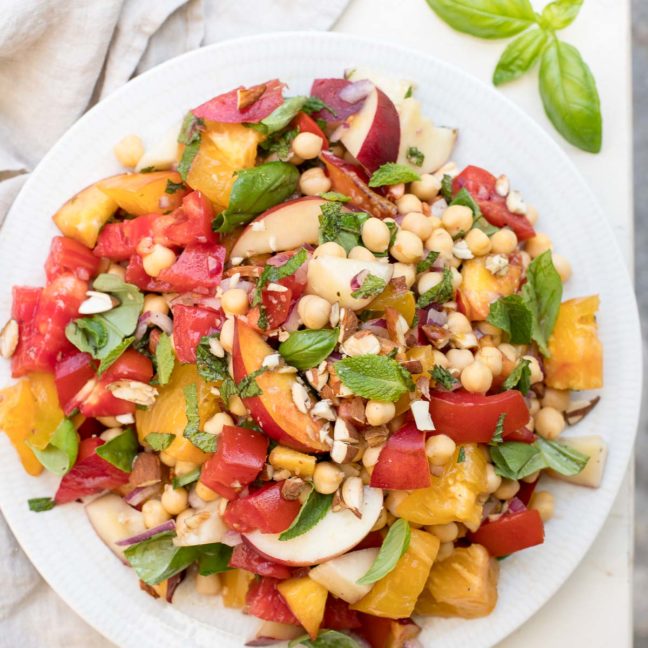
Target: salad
x=298 y=358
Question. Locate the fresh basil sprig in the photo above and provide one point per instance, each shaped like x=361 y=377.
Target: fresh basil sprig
x=374 y=377
x=567 y=87
x=313 y=510
x=307 y=348
x=393 y=547
x=61 y=452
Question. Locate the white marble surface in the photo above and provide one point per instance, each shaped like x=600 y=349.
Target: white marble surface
x=594 y=607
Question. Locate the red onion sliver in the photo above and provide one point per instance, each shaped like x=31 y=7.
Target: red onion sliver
x=292 y=321
x=172 y=585
x=438 y=318
x=516 y=505
x=356 y=91
x=139 y=495
x=358 y=280
x=169 y=525
x=232 y=538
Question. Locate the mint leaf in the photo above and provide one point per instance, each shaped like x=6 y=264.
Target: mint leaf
x=440 y=294
x=40 y=504
x=443 y=378
x=371 y=286
x=61 y=451
x=446 y=187
x=190 y=134
x=461 y=455
x=393 y=547
x=425 y=264
x=312 y=511
x=342 y=227
x=164 y=359
x=392 y=173
x=188 y=478
x=227 y=390
x=273 y=274
x=326 y=639
x=248 y=387
x=315 y=104
x=172 y=187
x=210 y=367
x=415 y=156
x=307 y=348
x=335 y=196
x=519 y=56
x=374 y=377
x=280 y=117
x=159 y=441
x=120 y=451
x=519 y=378
x=498 y=435
x=280 y=143
x=202 y=440
x=512 y=315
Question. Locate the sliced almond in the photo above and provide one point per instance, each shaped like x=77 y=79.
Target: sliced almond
x=352 y=493
x=352 y=410
x=344 y=431
x=334 y=317
x=578 y=410
x=376 y=436
x=362 y=343
x=348 y=323
x=97 y=302
x=502 y=186
x=300 y=397
x=245 y=97
x=293 y=487
x=216 y=348
x=134 y=391
x=9 y=337
x=271 y=361
x=323 y=409
x=342 y=453
x=421 y=411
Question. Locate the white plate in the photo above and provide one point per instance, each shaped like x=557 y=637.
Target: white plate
x=494 y=133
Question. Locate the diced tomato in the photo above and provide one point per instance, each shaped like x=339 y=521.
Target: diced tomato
x=224 y=107
x=472 y=418
x=328 y=90
x=526 y=491
x=90 y=428
x=190 y=324
x=510 y=533
x=264 y=509
x=264 y=601
x=296 y=281
x=245 y=556
x=119 y=241
x=338 y=615
x=306 y=124
x=192 y=222
x=136 y=275
x=277 y=306
x=402 y=463
x=23 y=310
x=481 y=186
x=239 y=458
x=521 y=435
x=90 y=474
x=68 y=255
x=71 y=374
x=198 y=269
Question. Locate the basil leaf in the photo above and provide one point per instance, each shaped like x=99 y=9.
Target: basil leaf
x=498 y=435
x=159 y=441
x=335 y=196
x=40 y=504
x=519 y=378
x=464 y=198
x=61 y=451
x=392 y=173
x=570 y=97
x=188 y=478
x=427 y=263
x=312 y=511
x=164 y=359
x=188 y=154
x=443 y=378
x=189 y=135
x=542 y=293
x=201 y=440
x=326 y=639
x=446 y=188
x=120 y=451
x=280 y=117
x=512 y=315
x=415 y=156
x=114 y=354
x=88 y=334
x=254 y=191
x=307 y=348
x=485 y=18
x=560 y=13
x=515 y=460
x=440 y=294
x=210 y=367
x=371 y=286
x=273 y=274
x=561 y=458
x=393 y=547
x=157 y=558
x=519 y=56
x=374 y=377
x=214 y=558
x=342 y=227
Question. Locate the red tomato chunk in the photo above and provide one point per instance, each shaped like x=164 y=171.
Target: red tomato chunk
x=510 y=533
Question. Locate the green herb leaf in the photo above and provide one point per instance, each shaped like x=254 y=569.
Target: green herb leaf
x=443 y=378
x=560 y=457
x=172 y=187
x=326 y=639
x=188 y=478
x=280 y=117
x=254 y=191
x=335 y=196
x=114 y=354
x=515 y=460
x=61 y=451
x=315 y=104
x=498 y=435
x=519 y=378
x=342 y=227
x=570 y=97
x=228 y=389
x=311 y=512
x=446 y=188
x=120 y=451
x=512 y=315
x=280 y=143
x=392 y=173
x=374 y=377
x=485 y=18
x=202 y=440
x=427 y=263
x=210 y=367
x=273 y=274
x=214 y=558
x=415 y=156
x=248 y=387
x=164 y=359
x=372 y=285
x=40 y=504
x=560 y=13
x=157 y=558
x=190 y=134
x=520 y=56
x=464 y=198
x=307 y=348
x=159 y=441
x=393 y=547
x=542 y=293
x=440 y=294
x=461 y=455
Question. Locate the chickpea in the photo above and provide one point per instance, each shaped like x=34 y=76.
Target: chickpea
x=508 y=351
x=154 y=513
x=160 y=258
x=116 y=269
x=314 y=182
x=428 y=280
x=508 y=489
x=407 y=248
x=174 y=500
x=549 y=423
x=563 y=267
x=205 y=493
x=534 y=406
x=543 y=502
x=406 y=270
x=557 y=398
x=235 y=301
x=236 y=406
x=330 y=249
x=532 y=214
x=361 y=253
x=492 y=358
x=184 y=467
x=111 y=433
x=440 y=359
x=459 y=359
x=418 y=223
x=537 y=245
x=129 y=150
x=155 y=304
x=227 y=335
x=439 y=449
x=314 y=311
x=427 y=187
x=478 y=242
x=440 y=241
x=379 y=413
x=493 y=480
x=446 y=550
x=376 y=235
x=534 y=367
x=445 y=532
x=504 y=241
x=457 y=219
x=370 y=456
x=477 y=378
x=208 y=585
x=217 y=422
x=327 y=477
x=381 y=521
x=392 y=502
x=307 y=145
x=409 y=203
x=458 y=323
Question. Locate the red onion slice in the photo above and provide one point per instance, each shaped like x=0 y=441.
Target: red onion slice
x=292 y=321
x=151 y=318
x=232 y=538
x=356 y=91
x=172 y=585
x=358 y=280
x=438 y=318
x=516 y=505
x=139 y=495
x=169 y=525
